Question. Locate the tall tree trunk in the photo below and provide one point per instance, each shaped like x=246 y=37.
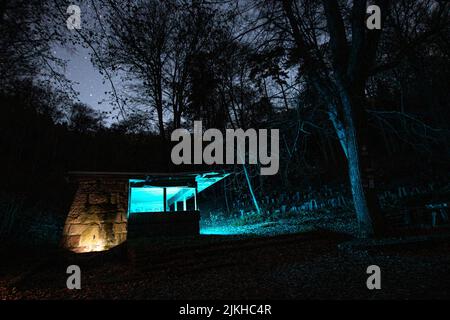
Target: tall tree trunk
x=161 y=122
x=162 y=134
x=347 y=78
x=360 y=167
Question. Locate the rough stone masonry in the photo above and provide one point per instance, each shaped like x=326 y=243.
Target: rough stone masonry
x=97 y=219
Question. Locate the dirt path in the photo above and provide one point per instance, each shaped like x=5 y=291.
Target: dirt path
x=307 y=265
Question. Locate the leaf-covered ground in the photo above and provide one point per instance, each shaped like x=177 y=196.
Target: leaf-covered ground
x=266 y=261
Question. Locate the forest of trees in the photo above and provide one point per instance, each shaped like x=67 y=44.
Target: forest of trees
x=354 y=106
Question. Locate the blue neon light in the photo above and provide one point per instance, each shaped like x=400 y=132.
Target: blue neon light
x=151 y=198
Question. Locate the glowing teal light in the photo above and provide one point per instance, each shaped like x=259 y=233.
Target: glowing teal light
x=222 y=230
x=206 y=180
x=147 y=199
x=150 y=198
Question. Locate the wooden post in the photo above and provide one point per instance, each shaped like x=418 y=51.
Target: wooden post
x=165 y=199
x=129 y=199
x=195 y=197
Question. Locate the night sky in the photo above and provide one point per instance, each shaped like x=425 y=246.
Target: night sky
x=88 y=82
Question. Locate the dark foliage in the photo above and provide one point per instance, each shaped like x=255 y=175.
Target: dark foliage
x=192 y=60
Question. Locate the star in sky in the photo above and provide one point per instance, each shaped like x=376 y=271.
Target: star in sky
x=89 y=83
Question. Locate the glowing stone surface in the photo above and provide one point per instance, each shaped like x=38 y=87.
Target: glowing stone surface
x=97 y=218
x=93 y=239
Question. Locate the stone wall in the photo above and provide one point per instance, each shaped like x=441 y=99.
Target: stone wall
x=97 y=219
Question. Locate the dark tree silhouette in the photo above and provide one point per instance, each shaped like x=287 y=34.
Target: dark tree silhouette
x=337 y=54
x=350 y=103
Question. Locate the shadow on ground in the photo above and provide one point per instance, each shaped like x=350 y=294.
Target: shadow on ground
x=315 y=264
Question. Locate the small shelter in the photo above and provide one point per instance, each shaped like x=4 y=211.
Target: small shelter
x=110 y=207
